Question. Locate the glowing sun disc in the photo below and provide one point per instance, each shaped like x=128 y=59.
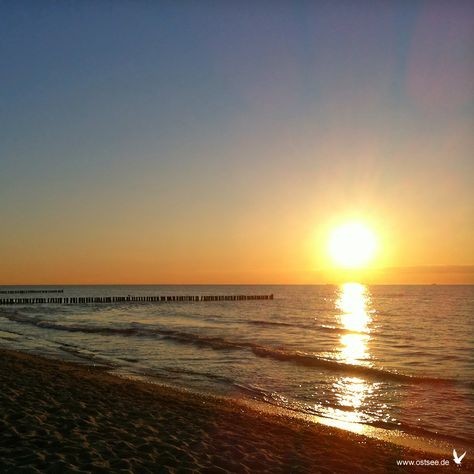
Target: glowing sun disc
x=352 y=245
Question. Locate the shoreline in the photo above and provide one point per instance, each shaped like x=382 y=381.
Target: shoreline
x=401 y=439
x=71 y=417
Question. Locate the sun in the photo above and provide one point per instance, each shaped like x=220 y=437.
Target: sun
x=352 y=245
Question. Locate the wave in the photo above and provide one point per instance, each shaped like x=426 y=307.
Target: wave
x=306 y=327
x=195 y=373
x=261 y=322
x=220 y=343
x=311 y=360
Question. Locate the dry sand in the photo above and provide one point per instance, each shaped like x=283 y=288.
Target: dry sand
x=61 y=417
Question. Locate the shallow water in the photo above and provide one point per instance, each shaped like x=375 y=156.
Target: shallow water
x=397 y=357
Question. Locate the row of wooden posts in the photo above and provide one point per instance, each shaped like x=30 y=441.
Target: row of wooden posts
x=129 y=299
x=18 y=292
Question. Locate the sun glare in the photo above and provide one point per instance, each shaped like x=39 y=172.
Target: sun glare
x=352 y=245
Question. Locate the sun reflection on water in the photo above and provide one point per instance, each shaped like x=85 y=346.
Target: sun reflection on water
x=354 y=317
x=352 y=391
x=353 y=304
x=354 y=348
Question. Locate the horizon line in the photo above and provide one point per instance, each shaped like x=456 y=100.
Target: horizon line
x=230 y=284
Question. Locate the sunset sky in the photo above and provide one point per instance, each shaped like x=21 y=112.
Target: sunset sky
x=220 y=142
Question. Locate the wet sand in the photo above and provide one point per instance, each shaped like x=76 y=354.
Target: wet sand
x=62 y=417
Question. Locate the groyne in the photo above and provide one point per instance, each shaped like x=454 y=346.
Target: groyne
x=130 y=299
x=29 y=291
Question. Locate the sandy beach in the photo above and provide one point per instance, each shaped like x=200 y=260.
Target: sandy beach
x=62 y=417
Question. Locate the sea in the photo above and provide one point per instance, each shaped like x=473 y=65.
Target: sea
x=397 y=358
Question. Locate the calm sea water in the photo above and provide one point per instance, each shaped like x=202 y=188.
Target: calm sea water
x=397 y=357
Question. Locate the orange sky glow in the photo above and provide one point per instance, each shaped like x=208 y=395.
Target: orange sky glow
x=185 y=152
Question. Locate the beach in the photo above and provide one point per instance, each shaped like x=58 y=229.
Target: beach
x=58 y=417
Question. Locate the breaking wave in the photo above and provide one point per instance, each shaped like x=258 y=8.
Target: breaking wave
x=220 y=343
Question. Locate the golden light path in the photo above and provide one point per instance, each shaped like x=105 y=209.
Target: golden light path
x=353 y=303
